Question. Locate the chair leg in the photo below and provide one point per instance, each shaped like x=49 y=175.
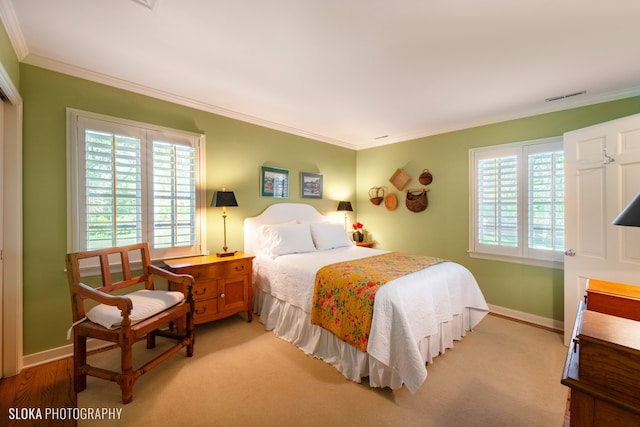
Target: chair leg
x=190 y=334
x=127 y=378
x=127 y=388
x=79 y=361
x=151 y=340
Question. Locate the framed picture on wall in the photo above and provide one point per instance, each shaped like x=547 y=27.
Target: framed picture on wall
x=274 y=182
x=311 y=185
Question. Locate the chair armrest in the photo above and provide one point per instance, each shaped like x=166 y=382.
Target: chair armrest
x=185 y=282
x=122 y=302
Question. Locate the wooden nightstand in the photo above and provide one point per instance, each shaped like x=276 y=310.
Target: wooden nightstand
x=223 y=284
x=365 y=244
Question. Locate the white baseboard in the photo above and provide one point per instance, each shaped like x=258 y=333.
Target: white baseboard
x=92 y=344
x=526 y=317
x=58 y=353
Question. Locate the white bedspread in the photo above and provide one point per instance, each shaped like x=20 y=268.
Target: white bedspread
x=406 y=310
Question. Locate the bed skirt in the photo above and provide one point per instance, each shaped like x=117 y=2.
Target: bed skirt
x=293 y=324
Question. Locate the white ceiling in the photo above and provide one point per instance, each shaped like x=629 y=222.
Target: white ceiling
x=356 y=73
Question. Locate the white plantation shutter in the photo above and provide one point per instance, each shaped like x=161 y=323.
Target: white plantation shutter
x=174 y=194
x=498 y=201
x=545 y=198
x=517 y=202
x=130 y=183
x=112 y=190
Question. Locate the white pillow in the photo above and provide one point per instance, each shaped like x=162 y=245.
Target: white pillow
x=145 y=303
x=264 y=237
x=282 y=239
x=329 y=236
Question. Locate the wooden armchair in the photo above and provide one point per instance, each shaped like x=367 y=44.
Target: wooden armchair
x=124 y=319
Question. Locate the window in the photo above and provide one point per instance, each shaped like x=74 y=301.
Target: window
x=131 y=182
x=517 y=202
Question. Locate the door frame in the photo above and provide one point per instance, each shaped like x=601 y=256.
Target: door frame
x=11 y=357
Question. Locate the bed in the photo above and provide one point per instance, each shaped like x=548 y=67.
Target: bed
x=415 y=317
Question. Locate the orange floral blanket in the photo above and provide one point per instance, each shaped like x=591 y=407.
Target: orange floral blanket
x=344 y=292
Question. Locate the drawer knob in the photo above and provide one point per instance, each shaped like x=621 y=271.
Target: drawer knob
x=239 y=267
x=201 y=311
x=202 y=292
x=221 y=295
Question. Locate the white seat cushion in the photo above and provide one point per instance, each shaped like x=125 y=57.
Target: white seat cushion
x=146 y=303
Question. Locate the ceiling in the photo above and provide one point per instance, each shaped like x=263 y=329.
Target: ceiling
x=355 y=73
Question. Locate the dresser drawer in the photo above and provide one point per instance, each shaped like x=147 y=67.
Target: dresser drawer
x=609 y=354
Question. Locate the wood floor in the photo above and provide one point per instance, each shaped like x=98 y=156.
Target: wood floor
x=36 y=389
x=50 y=386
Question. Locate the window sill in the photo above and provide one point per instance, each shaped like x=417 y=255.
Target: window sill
x=518 y=260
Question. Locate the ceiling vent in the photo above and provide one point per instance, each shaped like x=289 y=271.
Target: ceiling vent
x=569 y=95
x=151 y=4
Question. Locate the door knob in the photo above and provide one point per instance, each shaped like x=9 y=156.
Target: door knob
x=570 y=252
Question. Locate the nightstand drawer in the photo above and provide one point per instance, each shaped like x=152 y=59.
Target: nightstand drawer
x=215 y=271
x=232 y=268
x=205 y=309
x=204 y=272
x=205 y=289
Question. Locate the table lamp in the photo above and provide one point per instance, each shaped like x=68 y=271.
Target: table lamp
x=345 y=207
x=224 y=199
x=630 y=215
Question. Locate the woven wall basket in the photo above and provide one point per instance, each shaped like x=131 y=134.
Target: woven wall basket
x=425 y=177
x=416 y=200
x=376 y=195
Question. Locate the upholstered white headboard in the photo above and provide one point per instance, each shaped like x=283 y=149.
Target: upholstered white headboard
x=279 y=213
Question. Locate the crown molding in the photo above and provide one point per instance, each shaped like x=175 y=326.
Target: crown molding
x=72 y=70
x=545 y=109
x=12 y=26
x=61 y=67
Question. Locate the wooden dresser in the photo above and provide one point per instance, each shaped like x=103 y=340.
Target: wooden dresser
x=223 y=284
x=613 y=298
x=603 y=362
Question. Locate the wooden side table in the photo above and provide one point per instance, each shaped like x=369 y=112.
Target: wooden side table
x=365 y=244
x=223 y=284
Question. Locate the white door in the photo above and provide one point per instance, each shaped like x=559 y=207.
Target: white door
x=602 y=175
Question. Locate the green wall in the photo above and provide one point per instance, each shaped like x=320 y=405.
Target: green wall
x=235 y=151
x=443 y=229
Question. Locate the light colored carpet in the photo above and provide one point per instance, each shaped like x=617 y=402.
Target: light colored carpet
x=503 y=373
